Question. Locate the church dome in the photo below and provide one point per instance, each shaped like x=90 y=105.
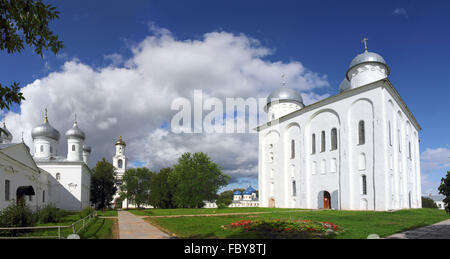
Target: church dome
x=285 y=94
x=368 y=57
x=5 y=135
x=249 y=191
x=45 y=130
x=120 y=142
x=75 y=132
x=87 y=149
x=345 y=84
x=237 y=193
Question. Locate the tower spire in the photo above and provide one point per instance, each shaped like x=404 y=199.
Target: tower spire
x=365 y=43
x=45 y=118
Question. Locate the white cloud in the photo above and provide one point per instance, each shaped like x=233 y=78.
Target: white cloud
x=400 y=12
x=434 y=165
x=133 y=99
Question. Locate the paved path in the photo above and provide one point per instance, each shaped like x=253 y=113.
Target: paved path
x=133 y=227
x=440 y=230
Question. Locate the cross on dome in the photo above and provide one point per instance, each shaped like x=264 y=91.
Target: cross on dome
x=365 y=43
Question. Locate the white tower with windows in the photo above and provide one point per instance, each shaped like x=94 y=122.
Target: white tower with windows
x=45 y=139
x=119 y=159
x=75 y=140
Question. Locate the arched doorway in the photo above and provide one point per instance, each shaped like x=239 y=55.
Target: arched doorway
x=118 y=203
x=21 y=192
x=326 y=200
x=272 y=202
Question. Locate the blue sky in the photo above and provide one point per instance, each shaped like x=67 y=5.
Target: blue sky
x=412 y=36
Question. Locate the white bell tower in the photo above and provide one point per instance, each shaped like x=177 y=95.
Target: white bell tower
x=119 y=159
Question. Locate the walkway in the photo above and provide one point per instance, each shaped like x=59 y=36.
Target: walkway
x=133 y=227
x=440 y=230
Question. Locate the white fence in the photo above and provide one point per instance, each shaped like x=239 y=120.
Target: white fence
x=76 y=227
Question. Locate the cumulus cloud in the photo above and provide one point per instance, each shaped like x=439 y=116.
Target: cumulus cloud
x=434 y=165
x=400 y=12
x=132 y=97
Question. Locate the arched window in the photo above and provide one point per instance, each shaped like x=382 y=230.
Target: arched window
x=294 y=188
x=323 y=142
x=58 y=176
x=73 y=147
x=7 y=192
x=364 y=185
x=334 y=139
x=120 y=163
x=362 y=133
x=313 y=144
x=43 y=196
x=292 y=149
x=42 y=148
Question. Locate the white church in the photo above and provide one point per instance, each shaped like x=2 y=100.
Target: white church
x=357 y=150
x=43 y=176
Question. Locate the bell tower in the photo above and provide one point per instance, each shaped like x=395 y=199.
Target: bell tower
x=119 y=159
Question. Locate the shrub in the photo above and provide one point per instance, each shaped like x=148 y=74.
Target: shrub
x=50 y=214
x=16 y=216
x=428 y=203
x=222 y=205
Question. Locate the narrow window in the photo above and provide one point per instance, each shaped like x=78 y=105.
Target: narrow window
x=73 y=147
x=409 y=149
x=294 y=188
x=7 y=190
x=364 y=185
x=42 y=148
x=292 y=149
x=51 y=149
x=334 y=139
x=30 y=198
x=390 y=135
x=399 y=141
x=43 y=196
x=313 y=144
x=323 y=142
x=362 y=133
x=58 y=176
x=120 y=163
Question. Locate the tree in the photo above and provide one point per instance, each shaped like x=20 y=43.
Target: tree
x=25 y=22
x=444 y=189
x=227 y=197
x=103 y=184
x=161 y=191
x=196 y=179
x=428 y=203
x=136 y=186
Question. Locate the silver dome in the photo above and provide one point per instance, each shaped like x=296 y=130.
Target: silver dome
x=75 y=132
x=87 y=149
x=7 y=135
x=45 y=130
x=368 y=57
x=285 y=94
x=345 y=85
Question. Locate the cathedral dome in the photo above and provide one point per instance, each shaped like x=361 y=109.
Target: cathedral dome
x=5 y=135
x=345 y=84
x=368 y=57
x=237 y=193
x=75 y=132
x=45 y=130
x=249 y=191
x=284 y=94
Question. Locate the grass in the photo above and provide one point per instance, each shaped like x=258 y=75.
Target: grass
x=357 y=224
x=98 y=229
x=107 y=213
x=202 y=211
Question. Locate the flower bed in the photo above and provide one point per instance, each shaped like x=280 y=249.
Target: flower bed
x=277 y=228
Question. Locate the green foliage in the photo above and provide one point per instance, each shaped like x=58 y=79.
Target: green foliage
x=50 y=214
x=196 y=179
x=16 y=216
x=136 y=185
x=85 y=212
x=226 y=197
x=428 y=203
x=103 y=184
x=25 y=22
x=444 y=189
x=161 y=191
x=222 y=205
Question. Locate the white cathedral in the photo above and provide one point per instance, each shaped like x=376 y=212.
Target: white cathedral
x=43 y=176
x=357 y=150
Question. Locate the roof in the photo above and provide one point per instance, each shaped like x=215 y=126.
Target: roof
x=75 y=132
x=249 y=191
x=367 y=57
x=284 y=94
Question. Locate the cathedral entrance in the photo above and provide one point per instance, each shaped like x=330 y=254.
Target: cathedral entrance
x=272 y=202
x=21 y=192
x=326 y=200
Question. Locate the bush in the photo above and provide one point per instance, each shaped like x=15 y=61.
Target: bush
x=428 y=203
x=16 y=216
x=50 y=214
x=222 y=205
x=85 y=212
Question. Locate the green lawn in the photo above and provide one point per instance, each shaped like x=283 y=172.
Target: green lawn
x=107 y=213
x=357 y=224
x=169 y=212
x=98 y=229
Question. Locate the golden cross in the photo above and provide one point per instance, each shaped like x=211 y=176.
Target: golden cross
x=365 y=43
x=45 y=119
